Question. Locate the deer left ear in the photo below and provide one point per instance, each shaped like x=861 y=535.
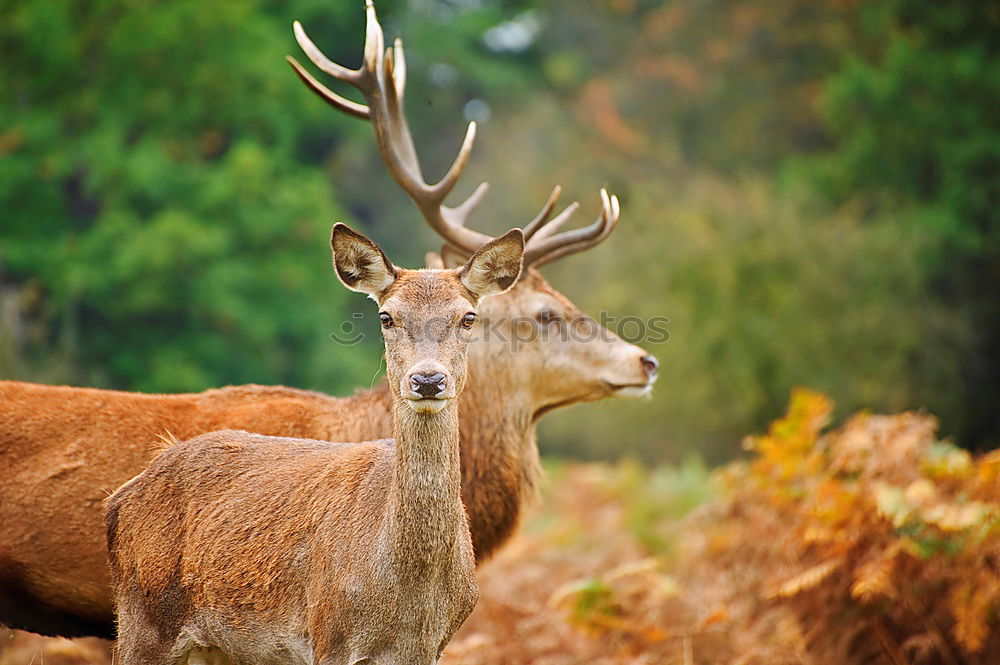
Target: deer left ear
x=496 y=267
x=359 y=263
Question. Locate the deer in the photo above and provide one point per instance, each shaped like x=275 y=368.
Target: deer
x=63 y=448
x=280 y=550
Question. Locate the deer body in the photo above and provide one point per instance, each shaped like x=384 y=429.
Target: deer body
x=275 y=528
x=265 y=549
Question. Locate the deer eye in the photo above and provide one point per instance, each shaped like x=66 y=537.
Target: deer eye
x=468 y=320
x=386 y=320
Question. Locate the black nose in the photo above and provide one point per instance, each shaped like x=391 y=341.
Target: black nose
x=650 y=365
x=428 y=385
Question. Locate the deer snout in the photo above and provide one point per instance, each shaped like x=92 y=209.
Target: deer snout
x=634 y=375
x=427 y=389
x=428 y=385
x=650 y=365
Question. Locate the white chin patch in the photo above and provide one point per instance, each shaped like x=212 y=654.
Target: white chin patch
x=426 y=405
x=634 y=391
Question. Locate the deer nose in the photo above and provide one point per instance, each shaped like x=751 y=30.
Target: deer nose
x=650 y=365
x=428 y=385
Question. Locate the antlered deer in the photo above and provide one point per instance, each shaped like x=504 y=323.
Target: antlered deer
x=276 y=550
x=63 y=449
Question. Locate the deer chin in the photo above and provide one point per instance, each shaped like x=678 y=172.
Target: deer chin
x=427 y=404
x=630 y=389
x=597 y=391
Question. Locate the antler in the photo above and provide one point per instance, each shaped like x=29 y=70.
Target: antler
x=381 y=79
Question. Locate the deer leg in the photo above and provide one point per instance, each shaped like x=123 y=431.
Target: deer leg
x=141 y=645
x=139 y=640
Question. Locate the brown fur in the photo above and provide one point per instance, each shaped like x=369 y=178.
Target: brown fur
x=63 y=450
x=262 y=549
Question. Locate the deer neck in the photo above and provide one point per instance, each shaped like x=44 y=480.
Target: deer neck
x=500 y=467
x=426 y=492
x=500 y=463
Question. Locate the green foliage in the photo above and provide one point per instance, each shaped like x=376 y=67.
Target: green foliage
x=916 y=137
x=155 y=199
x=914 y=118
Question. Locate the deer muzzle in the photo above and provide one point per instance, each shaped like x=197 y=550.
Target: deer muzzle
x=428 y=385
x=427 y=391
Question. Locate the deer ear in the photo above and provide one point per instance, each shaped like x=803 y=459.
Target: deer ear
x=496 y=266
x=359 y=263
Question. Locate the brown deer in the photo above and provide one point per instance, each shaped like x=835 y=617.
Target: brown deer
x=277 y=550
x=63 y=449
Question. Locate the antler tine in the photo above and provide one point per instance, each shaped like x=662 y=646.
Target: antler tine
x=459 y=214
x=532 y=227
x=332 y=98
x=447 y=183
x=374 y=39
x=392 y=133
x=557 y=222
x=308 y=47
x=546 y=249
x=580 y=246
x=399 y=70
x=612 y=217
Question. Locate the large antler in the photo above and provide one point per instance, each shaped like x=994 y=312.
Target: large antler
x=381 y=79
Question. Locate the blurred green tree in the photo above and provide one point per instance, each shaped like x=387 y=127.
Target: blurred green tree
x=156 y=198
x=912 y=113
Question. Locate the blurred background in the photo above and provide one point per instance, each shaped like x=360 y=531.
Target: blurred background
x=809 y=193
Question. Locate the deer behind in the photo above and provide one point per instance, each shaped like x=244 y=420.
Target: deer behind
x=267 y=549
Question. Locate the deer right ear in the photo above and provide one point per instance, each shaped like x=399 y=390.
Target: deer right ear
x=359 y=263
x=496 y=267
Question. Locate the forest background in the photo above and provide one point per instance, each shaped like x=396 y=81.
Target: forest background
x=809 y=193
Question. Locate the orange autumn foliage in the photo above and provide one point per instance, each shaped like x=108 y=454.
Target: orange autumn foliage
x=882 y=541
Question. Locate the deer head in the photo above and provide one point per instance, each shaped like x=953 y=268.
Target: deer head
x=427 y=316
x=559 y=354
x=568 y=357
